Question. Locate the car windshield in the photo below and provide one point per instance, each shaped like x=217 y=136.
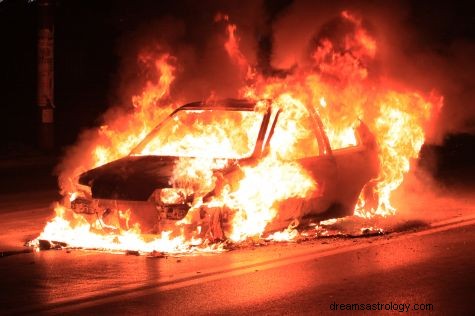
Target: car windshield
x=213 y=133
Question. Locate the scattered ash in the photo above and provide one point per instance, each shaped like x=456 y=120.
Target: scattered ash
x=157 y=255
x=411 y=225
x=51 y=245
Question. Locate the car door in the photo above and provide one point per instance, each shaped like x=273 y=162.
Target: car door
x=310 y=150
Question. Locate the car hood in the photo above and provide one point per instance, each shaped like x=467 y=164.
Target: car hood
x=131 y=178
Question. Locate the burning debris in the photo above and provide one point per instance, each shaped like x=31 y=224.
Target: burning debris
x=328 y=134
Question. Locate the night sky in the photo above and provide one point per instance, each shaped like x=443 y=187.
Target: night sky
x=92 y=36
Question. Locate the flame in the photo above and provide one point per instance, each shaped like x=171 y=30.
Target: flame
x=277 y=181
x=206 y=133
x=339 y=87
x=337 y=84
x=288 y=234
x=78 y=232
x=126 y=131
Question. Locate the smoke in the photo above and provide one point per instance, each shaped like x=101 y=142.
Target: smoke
x=265 y=37
x=410 y=51
x=275 y=36
x=188 y=33
x=193 y=36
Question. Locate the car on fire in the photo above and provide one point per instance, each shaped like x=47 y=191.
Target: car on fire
x=145 y=183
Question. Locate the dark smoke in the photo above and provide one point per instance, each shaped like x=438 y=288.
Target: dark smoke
x=192 y=36
x=416 y=47
x=265 y=38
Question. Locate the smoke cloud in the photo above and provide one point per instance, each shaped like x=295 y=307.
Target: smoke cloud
x=275 y=36
x=417 y=56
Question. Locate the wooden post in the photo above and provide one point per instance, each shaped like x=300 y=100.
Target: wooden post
x=46 y=74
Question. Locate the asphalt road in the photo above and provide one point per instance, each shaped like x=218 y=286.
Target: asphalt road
x=433 y=265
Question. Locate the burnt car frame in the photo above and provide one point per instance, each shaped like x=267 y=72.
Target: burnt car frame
x=136 y=182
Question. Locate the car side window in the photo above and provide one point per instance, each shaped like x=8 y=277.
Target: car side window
x=293 y=137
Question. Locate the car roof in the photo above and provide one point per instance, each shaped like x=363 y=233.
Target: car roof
x=224 y=104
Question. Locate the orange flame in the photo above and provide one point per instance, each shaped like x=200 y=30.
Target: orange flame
x=337 y=86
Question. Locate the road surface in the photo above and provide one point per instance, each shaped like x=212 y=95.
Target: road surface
x=432 y=266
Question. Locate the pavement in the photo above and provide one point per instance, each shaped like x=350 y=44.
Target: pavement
x=426 y=259
x=28 y=186
x=431 y=270
x=26 y=169
x=431 y=267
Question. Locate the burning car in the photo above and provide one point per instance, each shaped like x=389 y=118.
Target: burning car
x=198 y=152
x=293 y=149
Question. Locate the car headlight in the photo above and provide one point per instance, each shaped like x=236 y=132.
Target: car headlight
x=170 y=196
x=82 y=191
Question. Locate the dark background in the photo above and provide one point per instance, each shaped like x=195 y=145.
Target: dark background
x=89 y=37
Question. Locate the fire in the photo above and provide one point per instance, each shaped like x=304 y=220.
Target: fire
x=232 y=43
x=277 y=181
x=401 y=136
x=78 y=232
x=337 y=83
x=125 y=132
x=197 y=133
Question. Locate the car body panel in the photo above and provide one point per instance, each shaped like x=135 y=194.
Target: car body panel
x=340 y=174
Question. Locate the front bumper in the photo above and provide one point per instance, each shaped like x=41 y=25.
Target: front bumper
x=83 y=205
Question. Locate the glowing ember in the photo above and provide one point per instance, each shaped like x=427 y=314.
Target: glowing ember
x=337 y=84
x=288 y=234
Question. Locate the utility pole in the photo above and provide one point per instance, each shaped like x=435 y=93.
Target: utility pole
x=46 y=73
